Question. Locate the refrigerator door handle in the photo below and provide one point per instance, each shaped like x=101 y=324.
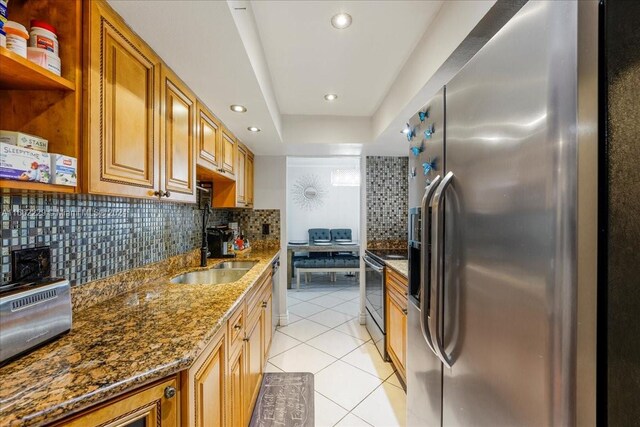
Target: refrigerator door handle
x=436 y=312
x=424 y=281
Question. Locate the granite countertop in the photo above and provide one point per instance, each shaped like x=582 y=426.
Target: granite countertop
x=143 y=335
x=401 y=266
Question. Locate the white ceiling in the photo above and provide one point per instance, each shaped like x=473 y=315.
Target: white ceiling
x=278 y=58
x=308 y=58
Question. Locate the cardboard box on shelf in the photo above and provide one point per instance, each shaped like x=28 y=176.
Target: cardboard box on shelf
x=24 y=140
x=64 y=170
x=23 y=164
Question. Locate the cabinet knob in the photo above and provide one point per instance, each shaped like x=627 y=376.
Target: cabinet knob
x=245 y=339
x=167 y=194
x=169 y=392
x=237 y=327
x=264 y=304
x=404 y=310
x=158 y=193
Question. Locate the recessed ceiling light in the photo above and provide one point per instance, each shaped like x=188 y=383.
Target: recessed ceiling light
x=330 y=97
x=341 y=20
x=253 y=129
x=238 y=108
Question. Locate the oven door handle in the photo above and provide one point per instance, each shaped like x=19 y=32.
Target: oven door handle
x=371 y=264
x=425 y=286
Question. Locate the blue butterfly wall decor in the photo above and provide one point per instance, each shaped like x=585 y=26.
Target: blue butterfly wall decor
x=423 y=115
x=417 y=150
x=430 y=131
x=428 y=166
x=411 y=132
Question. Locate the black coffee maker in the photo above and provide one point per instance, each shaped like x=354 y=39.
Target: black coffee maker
x=217 y=241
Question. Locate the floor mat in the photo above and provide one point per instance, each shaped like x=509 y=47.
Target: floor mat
x=285 y=399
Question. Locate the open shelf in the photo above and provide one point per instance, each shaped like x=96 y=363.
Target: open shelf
x=17 y=72
x=36 y=186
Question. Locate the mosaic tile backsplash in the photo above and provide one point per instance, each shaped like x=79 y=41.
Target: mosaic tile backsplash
x=92 y=237
x=250 y=221
x=387 y=198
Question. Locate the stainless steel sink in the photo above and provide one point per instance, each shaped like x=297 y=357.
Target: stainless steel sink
x=211 y=276
x=245 y=265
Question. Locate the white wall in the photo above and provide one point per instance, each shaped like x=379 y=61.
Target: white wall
x=340 y=207
x=270 y=182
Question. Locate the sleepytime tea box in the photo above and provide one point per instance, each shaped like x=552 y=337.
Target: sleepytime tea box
x=24 y=140
x=23 y=164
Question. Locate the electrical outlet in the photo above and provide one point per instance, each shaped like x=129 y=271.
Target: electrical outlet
x=266 y=229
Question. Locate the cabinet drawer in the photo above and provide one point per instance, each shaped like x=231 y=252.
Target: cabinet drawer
x=235 y=329
x=396 y=282
x=255 y=297
x=399 y=297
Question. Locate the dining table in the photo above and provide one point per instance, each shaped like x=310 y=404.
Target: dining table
x=333 y=246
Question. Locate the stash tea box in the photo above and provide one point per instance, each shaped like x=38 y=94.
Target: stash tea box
x=24 y=140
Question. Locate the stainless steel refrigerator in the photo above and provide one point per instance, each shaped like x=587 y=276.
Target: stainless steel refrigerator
x=501 y=328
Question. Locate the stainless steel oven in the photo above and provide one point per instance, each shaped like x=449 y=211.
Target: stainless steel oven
x=374 y=302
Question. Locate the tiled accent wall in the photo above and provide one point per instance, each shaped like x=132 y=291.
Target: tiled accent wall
x=250 y=221
x=92 y=237
x=387 y=198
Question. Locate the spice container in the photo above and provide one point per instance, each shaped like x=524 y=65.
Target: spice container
x=3 y=38
x=17 y=37
x=43 y=36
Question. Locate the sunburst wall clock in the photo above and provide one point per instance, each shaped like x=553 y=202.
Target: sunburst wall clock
x=308 y=192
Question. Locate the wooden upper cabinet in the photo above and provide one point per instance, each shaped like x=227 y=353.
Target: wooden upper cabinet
x=122 y=108
x=249 y=180
x=178 y=139
x=241 y=174
x=228 y=157
x=209 y=138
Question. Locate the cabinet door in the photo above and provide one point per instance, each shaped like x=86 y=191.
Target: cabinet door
x=254 y=348
x=396 y=332
x=148 y=407
x=240 y=175
x=208 y=139
x=267 y=324
x=249 y=180
x=228 y=155
x=178 y=136
x=237 y=390
x=122 y=94
x=209 y=385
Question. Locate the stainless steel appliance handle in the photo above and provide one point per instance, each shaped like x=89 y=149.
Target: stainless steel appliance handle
x=371 y=264
x=437 y=242
x=424 y=253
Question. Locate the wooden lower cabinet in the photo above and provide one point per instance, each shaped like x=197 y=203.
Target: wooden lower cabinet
x=154 y=406
x=255 y=361
x=396 y=319
x=205 y=385
x=237 y=390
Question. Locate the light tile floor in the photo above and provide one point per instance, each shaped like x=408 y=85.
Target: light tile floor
x=353 y=385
